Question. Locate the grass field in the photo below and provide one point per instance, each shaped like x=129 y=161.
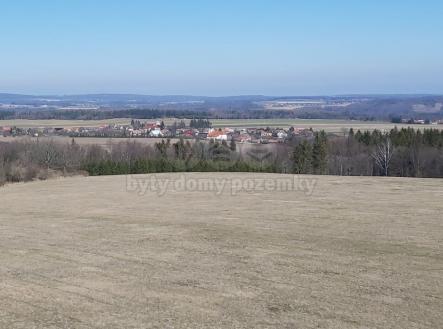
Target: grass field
x=62 y=123
x=104 y=142
x=91 y=252
x=333 y=126
x=107 y=143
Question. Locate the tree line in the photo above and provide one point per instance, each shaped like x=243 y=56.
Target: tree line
x=399 y=152
x=405 y=152
x=200 y=123
x=203 y=113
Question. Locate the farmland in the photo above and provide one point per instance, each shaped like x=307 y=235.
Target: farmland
x=104 y=142
x=61 y=123
x=331 y=126
x=95 y=252
x=108 y=143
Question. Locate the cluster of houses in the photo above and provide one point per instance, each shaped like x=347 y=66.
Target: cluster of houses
x=244 y=135
x=160 y=130
x=257 y=135
x=421 y=122
x=5 y=131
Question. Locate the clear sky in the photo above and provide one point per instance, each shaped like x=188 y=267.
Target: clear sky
x=309 y=47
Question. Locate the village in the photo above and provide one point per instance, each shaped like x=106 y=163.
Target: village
x=196 y=130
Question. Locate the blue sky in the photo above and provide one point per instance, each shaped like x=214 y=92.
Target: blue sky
x=225 y=47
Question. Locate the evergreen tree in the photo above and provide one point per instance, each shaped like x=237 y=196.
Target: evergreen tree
x=302 y=158
x=319 y=153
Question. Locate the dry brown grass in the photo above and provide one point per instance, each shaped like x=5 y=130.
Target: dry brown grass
x=357 y=253
x=23 y=123
x=104 y=142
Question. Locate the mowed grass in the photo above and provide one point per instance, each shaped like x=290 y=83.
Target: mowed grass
x=91 y=252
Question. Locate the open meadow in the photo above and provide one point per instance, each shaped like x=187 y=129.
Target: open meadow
x=330 y=126
x=108 y=143
x=100 y=141
x=221 y=250
x=22 y=123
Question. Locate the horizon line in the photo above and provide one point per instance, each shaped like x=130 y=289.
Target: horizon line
x=207 y=96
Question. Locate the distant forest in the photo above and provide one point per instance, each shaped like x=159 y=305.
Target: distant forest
x=155 y=114
x=99 y=107
x=179 y=114
x=210 y=115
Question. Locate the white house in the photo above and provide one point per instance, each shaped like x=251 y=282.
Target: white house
x=156 y=133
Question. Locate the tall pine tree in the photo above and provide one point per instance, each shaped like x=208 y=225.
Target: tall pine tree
x=302 y=158
x=319 y=153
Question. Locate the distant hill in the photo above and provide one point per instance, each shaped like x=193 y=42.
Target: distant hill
x=120 y=98
x=371 y=107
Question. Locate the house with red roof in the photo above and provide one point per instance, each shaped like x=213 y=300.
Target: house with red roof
x=219 y=135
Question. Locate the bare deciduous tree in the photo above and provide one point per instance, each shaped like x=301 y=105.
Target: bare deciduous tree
x=383 y=155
